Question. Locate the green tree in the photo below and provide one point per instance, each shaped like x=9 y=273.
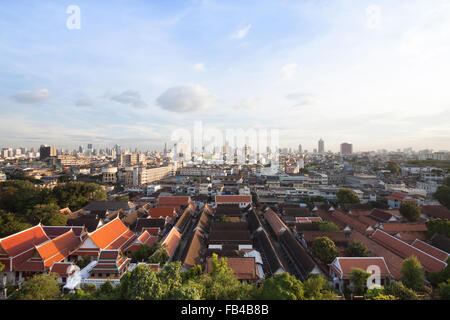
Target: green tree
x=398 y=290
x=327 y=226
x=440 y=226
x=160 y=254
x=281 y=287
x=2 y=266
x=221 y=284
x=193 y=273
x=317 y=287
x=393 y=167
x=356 y=249
x=141 y=284
x=122 y=199
x=345 y=195
x=48 y=214
x=413 y=275
x=324 y=249
x=143 y=253
x=84 y=261
x=40 y=287
x=410 y=211
x=442 y=193
x=358 y=280
x=443 y=291
x=10 y=224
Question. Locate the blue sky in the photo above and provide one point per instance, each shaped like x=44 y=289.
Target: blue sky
x=374 y=73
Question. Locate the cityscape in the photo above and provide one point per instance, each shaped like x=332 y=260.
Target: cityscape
x=188 y=151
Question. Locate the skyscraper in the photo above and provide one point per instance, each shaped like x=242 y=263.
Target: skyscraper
x=321 y=146
x=346 y=148
x=47 y=151
x=300 y=148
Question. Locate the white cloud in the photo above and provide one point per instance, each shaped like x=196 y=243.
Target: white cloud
x=84 y=102
x=241 y=33
x=32 y=96
x=186 y=98
x=130 y=97
x=199 y=67
x=289 y=70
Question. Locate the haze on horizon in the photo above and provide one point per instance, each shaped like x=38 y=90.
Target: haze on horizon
x=372 y=73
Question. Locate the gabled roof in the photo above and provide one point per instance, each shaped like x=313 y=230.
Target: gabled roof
x=394 y=227
x=436 y=211
x=440 y=241
x=277 y=225
x=59 y=248
x=143 y=223
x=405 y=250
x=244 y=268
x=380 y=215
x=114 y=234
x=350 y=221
x=55 y=231
x=393 y=261
x=62 y=268
x=171 y=240
x=110 y=261
x=433 y=251
x=343 y=266
x=22 y=241
x=266 y=246
x=194 y=254
x=162 y=212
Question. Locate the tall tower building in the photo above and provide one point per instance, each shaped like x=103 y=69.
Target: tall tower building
x=47 y=151
x=300 y=148
x=321 y=146
x=346 y=148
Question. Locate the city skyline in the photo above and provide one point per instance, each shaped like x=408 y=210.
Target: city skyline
x=369 y=73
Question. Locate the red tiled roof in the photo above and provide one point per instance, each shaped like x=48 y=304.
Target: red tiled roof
x=431 y=250
x=61 y=268
x=438 y=211
x=171 y=240
x=162 y=212
x=277 y=225
x=233 y=199
x=350 y=221
x=243 y=268
x=393 y=261
x=20 y=242
x=343 y=266
x=405 y=250
x=394 y=227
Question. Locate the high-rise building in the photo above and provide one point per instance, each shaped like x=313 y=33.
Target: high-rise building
x=47 y=151
x=346 y=148
x=300 y=148
x=321 y=146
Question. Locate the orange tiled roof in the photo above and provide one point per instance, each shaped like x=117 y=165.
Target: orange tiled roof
x=162 y=212
x=109 y=233
x=59 y=248
x=20 y=242
x=171 y=240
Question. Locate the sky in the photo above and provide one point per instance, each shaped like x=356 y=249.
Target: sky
x=371 y=73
